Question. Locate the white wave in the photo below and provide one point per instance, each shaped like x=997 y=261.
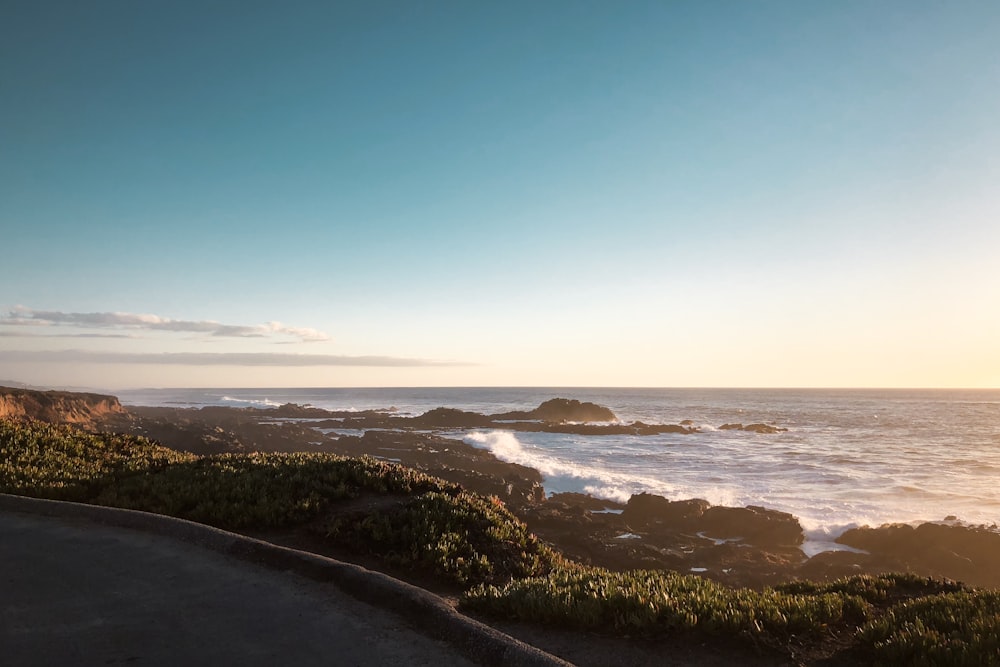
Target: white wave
x=251 y=402
x=560 y=475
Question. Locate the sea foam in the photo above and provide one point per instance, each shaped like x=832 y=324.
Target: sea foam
x=561 y=475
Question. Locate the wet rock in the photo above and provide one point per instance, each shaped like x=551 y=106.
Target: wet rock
x=764 y=428
x=658 y=429
x=738 y=564
x=968 y=554
x=646 y=509
x=753 y=524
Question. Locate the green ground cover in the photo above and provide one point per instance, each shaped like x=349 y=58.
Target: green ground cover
x=414 y=520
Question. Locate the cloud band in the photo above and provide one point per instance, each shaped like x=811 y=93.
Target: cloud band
x=216 y=359
x=28 y=317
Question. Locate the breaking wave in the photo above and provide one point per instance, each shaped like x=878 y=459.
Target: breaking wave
x=560 y=475
x=250 y=402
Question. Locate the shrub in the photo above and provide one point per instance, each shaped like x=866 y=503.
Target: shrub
x=260 y=490
x=961 y=628
x=656 y=603
x=460 y=537
x=880 y=588
x=60 y=462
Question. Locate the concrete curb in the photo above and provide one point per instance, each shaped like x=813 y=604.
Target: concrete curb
x=423 y=610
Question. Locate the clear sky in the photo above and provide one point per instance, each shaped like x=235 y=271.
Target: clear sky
x=799 y=193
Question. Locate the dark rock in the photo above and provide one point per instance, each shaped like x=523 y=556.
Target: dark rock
x=593 y=429
x=657 y=429
x=563 y=410
x=293 y=411
x=558 y=415
x=831 y=565
x=756 y=525
x=452 y=418
x=764 y=428
x=969 y=554
x=645 y=509
x=585 y=501
x=301 y=411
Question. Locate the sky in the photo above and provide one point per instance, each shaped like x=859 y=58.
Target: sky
x=662 y=194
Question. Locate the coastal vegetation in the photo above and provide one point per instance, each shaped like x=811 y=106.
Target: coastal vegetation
x=458 y=538
x=428 y=524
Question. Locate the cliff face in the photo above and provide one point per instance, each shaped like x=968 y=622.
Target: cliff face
x=57 y=406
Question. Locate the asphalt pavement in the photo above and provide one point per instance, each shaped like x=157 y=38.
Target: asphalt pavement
x=78 y=592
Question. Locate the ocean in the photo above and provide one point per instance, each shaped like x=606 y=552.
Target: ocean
x=849 y=457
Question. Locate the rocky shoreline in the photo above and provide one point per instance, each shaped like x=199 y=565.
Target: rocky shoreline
x=742 y=546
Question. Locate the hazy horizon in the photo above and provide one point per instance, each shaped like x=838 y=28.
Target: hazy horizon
x=65 y=387
x=644 y=194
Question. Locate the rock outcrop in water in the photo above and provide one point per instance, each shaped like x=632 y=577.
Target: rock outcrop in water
x=452 y=418
x=557 y=415
x=63 y=407
x=562 y=410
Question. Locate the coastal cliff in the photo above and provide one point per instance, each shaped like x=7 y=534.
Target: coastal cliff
x=57 y=406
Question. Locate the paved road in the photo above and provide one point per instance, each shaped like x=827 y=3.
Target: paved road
x=79 y=593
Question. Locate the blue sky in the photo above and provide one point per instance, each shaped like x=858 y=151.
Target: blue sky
x=578 y=193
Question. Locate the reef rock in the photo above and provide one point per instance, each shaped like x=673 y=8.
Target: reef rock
x=452 y=418
x=968 y=554
x=646 y=509
x=564 y=410
x=753 y=524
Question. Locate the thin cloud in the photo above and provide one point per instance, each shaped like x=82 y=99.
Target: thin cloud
x=18 y=334
x=218 y=359
x=28 y=317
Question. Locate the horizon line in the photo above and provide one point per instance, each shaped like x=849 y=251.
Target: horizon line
x=26 y=385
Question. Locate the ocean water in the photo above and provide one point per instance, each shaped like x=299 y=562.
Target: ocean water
x=849 y=457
